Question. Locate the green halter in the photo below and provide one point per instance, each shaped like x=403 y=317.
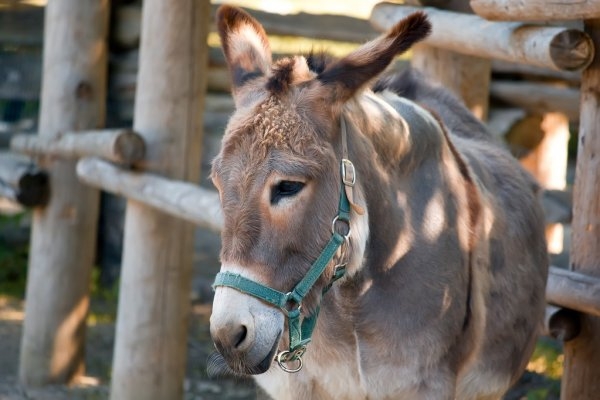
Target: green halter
x=300 y=329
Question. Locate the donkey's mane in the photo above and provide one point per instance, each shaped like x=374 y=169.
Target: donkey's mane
x=414 y=86
x=282 y=71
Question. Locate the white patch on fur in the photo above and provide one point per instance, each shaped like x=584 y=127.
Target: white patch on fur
x=359 y=236
x=434 y=220
x=246 y=39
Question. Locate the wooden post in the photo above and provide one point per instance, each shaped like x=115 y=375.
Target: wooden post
x=63 y=234
x=151 y=334
x=581 y=377
x=466 y=76
x=547 y=162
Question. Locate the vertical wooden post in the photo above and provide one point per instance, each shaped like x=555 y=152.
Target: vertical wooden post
x=63 y=235
x=581 y=377
x=151 y=335
x=466 y=76
x=548 y=164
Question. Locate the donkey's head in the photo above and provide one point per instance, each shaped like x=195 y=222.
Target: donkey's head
x=278 y=176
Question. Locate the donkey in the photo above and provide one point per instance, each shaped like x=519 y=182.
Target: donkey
x=377 y=244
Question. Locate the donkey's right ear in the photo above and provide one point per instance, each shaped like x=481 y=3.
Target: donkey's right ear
x=245 y=45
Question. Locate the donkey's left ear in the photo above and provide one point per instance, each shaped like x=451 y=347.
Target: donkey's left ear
x=345 y=77
x=245 y=45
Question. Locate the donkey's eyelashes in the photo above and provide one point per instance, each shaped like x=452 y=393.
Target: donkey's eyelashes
x=284 y=189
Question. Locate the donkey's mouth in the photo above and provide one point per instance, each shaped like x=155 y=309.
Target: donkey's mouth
x=219 y=366
x=265 y=364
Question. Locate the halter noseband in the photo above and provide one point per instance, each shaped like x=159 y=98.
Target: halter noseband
x=301 y=329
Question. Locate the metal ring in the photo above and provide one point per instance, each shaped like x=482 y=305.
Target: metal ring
x=282 y=361
x=336 y=219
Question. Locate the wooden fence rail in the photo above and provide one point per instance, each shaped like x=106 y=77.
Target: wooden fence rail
x=184 y=200
x=551 y=47
x=122 y=146
x=23 y=182
x=536 y=10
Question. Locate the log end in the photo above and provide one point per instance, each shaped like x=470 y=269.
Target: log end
x=564 y=324
x=34 y=189
x=572 y=50
x=129 y=147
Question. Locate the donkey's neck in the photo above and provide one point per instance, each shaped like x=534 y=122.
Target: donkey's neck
x=401 y=134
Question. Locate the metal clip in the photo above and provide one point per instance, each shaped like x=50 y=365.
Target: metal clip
x=285 y=357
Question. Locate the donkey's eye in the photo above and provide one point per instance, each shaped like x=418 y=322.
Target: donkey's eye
x=285 y=189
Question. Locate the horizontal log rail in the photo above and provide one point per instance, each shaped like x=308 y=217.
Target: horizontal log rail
x=122 y=146
x=527 y=71
x=536 y=10
x=181 y=199
x=538 y=98
x=551 y=47
x=23 y=182
x=323 y=26
x=573 y=290
x=562 y=323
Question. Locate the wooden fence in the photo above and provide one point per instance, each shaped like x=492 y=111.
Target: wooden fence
x=155 y=166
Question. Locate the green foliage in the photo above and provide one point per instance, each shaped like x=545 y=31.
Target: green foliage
x=547 y=359
x=104 y=300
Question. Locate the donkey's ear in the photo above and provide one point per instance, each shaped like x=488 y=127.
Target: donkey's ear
x=346 y=76
x=245 y=45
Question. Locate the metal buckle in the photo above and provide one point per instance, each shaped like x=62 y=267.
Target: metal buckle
x=348 y=173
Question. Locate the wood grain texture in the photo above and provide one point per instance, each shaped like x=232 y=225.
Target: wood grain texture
x=184 y=200
x=536 y=10
x=581 y=377
x=551 y=47
x=150 y=347
x=122 y=146
x=73 y=98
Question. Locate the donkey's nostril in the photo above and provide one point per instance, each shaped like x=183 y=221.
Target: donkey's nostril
x=240 y=336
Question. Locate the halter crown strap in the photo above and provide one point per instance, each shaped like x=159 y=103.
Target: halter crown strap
x=300 y=329
x=348 y=172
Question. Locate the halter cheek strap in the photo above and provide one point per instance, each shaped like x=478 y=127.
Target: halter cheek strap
x=301 y=329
